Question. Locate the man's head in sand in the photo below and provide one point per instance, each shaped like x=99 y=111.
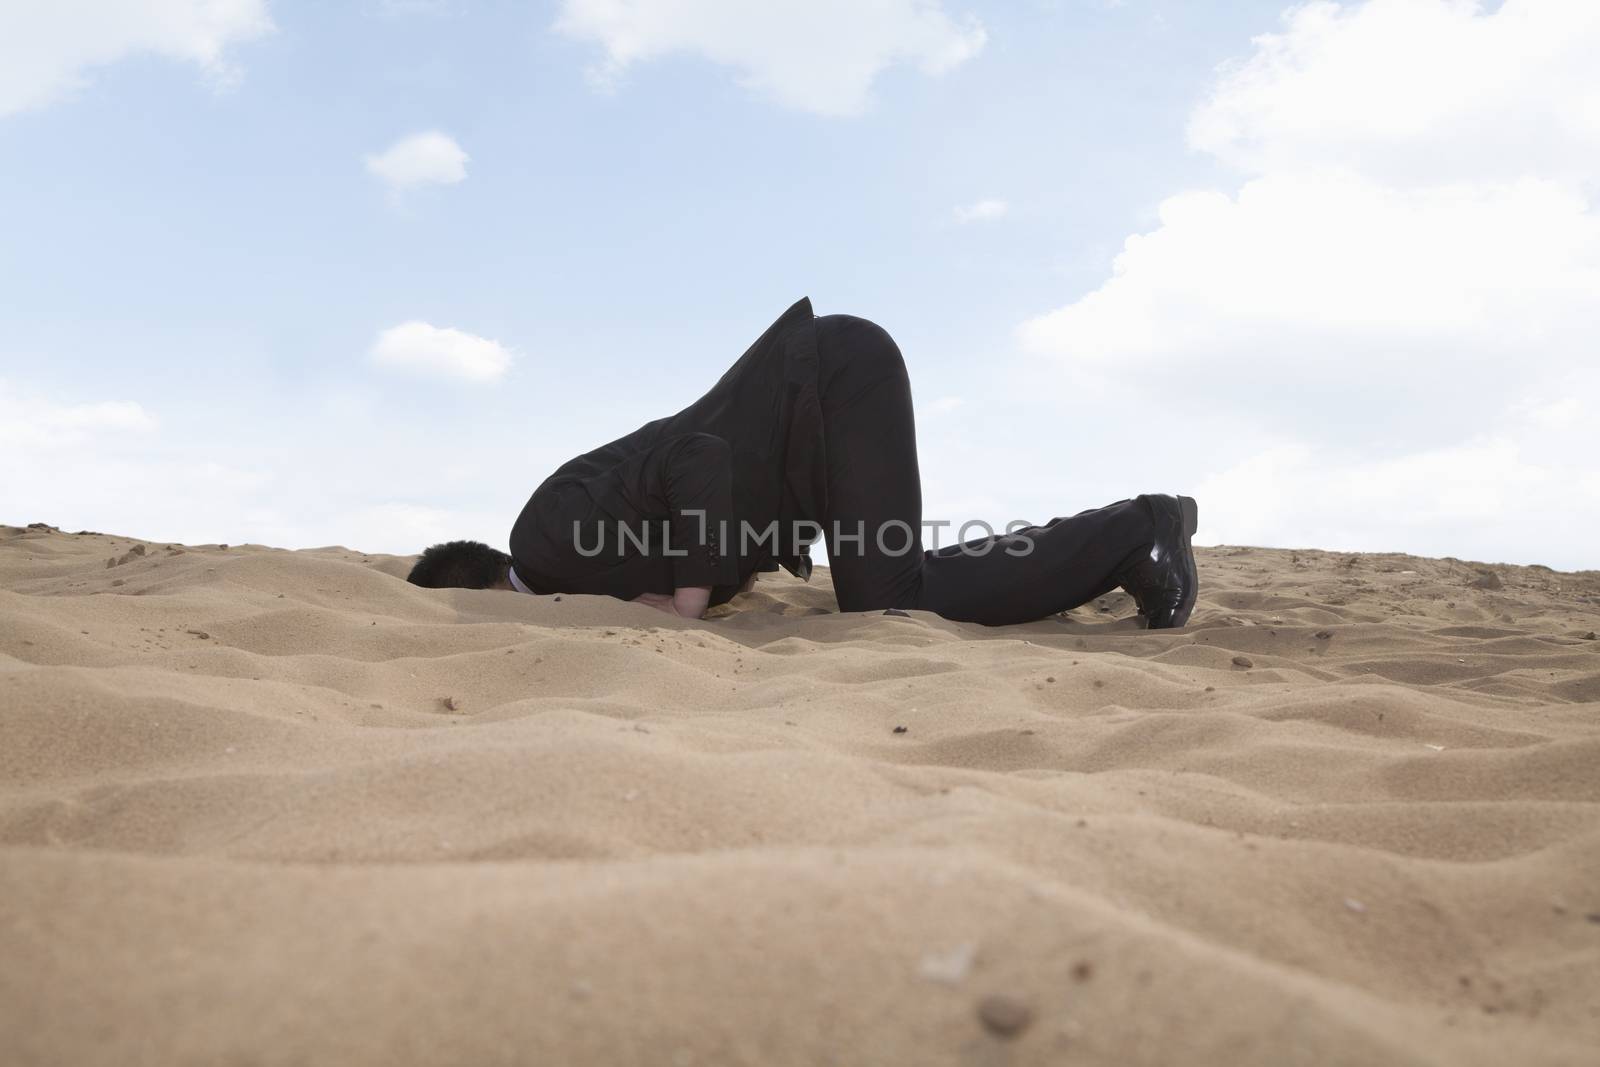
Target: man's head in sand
x=461 y=565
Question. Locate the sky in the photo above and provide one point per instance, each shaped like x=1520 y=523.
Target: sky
x=302 y=274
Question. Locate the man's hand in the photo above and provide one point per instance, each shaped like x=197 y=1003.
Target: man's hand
x=689 y=602
x=659 y=601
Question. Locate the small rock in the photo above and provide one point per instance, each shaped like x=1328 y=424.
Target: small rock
x=1487 y=580
x=1589 y=636
x=897 y=612
x=1050 y=678
x=1004 y=1016
x=450 y=703
x=1324 y=635
x=201 y=634
x=1243 y=661
x=558 y=598
x=901 y=729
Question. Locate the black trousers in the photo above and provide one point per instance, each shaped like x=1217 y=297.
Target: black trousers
x=873 y=520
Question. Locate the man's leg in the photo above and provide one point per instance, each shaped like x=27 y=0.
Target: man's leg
x=1037 y=571
x=874 y=490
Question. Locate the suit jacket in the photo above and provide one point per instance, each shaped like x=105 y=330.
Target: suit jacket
x=671 y=503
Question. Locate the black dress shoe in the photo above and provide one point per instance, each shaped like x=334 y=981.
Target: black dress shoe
x=1164 y=582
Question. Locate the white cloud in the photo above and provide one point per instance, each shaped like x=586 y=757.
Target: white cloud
x=820 y=56
x=1413 y=254
x=982 y=211
x=47 y=46
x=440 y=352
x=1302 y=273
x=225 y=475
x=1415 y=92
x=429 y=158
x=1522 y=489
x=30 y=420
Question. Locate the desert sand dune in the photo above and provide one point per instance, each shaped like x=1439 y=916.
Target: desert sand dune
x=276 y=807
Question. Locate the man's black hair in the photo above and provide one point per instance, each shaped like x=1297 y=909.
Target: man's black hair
x=460 y=565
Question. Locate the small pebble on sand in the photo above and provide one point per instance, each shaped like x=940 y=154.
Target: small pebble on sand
x=1243 y=661
x=1004 y=1016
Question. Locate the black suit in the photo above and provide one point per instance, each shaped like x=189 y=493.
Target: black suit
x=814 y=423
x=748 y=452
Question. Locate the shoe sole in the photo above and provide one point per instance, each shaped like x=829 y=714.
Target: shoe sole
x=1191 y=523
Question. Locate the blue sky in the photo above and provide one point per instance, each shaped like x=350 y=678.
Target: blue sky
x=1211 y=262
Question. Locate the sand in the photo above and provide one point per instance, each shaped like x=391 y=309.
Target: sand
x=276 y=807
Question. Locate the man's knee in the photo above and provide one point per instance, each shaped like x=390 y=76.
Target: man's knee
x=862 y=342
